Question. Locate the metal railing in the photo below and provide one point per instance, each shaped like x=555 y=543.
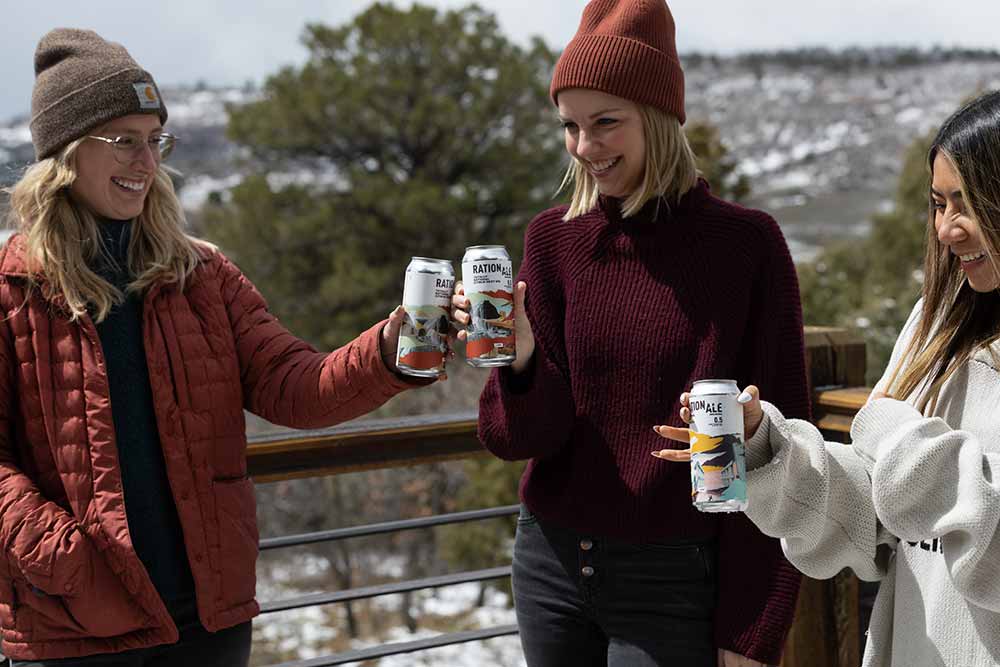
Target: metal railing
x=835 y=360
x=367 y=592
x=836 y=365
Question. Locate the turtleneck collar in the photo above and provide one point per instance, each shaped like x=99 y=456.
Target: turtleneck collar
x=656 y=209
x=114 y=236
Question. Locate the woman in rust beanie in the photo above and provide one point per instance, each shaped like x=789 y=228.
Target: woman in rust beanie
x=643 y=284
x=128 y=351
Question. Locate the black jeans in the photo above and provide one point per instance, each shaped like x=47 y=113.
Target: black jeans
x=197 y=647
x=585 y=601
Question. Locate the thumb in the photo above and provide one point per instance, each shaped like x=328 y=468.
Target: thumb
x=391 y=329
x=753 y=413
x=520 y=290
x=749 y=398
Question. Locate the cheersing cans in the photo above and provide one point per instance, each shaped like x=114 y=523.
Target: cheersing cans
x=718 y=465
x=489 y=285
x=423 y=337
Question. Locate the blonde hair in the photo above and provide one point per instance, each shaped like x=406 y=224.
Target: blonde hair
x=670 y=168
x=62 y=239
x=957 y=321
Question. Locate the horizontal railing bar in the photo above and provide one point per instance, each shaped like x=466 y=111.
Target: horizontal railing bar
x=365 y=592
x=399 y=648
x=363 y=445
x=386 y=527
x=834 y=407
x=411 y=423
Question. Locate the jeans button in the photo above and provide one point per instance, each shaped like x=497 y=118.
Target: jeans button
x=587 y=571
x=586 y=545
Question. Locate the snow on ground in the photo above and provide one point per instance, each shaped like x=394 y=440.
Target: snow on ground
x=453 y=601
x=204 y=107
x=307 y=633
x=15 y=134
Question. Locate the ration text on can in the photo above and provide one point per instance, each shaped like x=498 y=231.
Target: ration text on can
x=718 y=465
x=489 y=285
x=423 y=337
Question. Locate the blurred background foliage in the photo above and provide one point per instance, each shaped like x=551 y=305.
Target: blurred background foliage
x=420 y=132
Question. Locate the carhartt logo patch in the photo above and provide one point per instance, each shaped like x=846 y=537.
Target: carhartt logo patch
x=148 y=97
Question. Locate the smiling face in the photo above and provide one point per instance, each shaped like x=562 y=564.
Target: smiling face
x=958 y=230
x=113 y=189
x=605 y=134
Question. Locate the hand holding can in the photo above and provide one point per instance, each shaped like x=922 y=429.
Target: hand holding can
x=753 y=414
x=488 y=281
x=706 y=433
x=524 y=339
x=423 y=335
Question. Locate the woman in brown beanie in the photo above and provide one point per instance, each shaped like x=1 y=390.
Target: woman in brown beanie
x=128 y=352
x=643 y=284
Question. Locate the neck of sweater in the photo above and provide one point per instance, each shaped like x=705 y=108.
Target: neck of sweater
x=112 y=262
x=656 y=210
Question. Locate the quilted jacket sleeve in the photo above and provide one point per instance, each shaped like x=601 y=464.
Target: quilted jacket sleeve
x=286 y=381
x=41 y=541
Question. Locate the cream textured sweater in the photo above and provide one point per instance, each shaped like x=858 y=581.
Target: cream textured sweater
x=915 y=503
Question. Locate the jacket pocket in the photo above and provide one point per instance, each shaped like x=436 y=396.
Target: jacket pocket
x=102 y=589
x=43 y=617
x=238 y=538
x=100 y=607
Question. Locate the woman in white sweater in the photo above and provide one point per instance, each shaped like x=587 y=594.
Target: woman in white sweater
x=915 y=502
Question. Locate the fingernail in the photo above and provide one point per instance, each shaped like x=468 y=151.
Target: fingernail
x=656 y=429
x=744 y=398
x=656 y=454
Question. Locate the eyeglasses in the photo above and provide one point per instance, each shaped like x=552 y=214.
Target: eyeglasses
x=128 y=148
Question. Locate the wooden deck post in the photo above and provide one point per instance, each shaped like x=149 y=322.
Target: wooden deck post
x=826 y=632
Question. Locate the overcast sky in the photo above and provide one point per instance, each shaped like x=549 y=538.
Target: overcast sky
x=232 y=41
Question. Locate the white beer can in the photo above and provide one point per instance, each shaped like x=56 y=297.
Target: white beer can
x=718 y=463
x=423 y=337
x=488 y=278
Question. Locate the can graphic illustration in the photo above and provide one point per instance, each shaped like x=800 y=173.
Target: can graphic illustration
x=423 y=337
x=489 y=284
x=718 y=465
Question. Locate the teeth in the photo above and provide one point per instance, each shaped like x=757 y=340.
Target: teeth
x=973 y=256
x=134 y=186
x=603 y=164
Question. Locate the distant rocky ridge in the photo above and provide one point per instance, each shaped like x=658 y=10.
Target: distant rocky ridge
x=820 y=134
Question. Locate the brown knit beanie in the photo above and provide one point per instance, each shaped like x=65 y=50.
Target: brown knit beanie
x=625 y=48
x=82 y=82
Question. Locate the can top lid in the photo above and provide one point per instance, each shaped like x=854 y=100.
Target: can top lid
x=484 y=247
x=714 y=382
x=431 y=259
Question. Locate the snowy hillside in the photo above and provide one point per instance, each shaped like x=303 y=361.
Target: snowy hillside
x=821 y=144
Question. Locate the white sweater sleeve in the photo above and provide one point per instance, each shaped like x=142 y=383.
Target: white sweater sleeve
x=931 y=481
x=816 y=497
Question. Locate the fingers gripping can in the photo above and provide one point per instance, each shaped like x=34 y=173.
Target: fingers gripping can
x=718 y=466
x=423 y=337
x=489 y=285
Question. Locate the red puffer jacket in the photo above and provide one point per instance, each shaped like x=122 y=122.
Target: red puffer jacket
x=70 y=581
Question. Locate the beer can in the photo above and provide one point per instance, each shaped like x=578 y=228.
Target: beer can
x=718 y=463
x=423 y=337
x=489 y=285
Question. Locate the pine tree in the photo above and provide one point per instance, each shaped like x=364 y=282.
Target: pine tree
x=407 y=132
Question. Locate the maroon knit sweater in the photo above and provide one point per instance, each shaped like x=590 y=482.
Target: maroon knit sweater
x=626 y=315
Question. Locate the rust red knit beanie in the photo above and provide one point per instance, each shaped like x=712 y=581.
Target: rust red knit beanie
x=625 y=48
